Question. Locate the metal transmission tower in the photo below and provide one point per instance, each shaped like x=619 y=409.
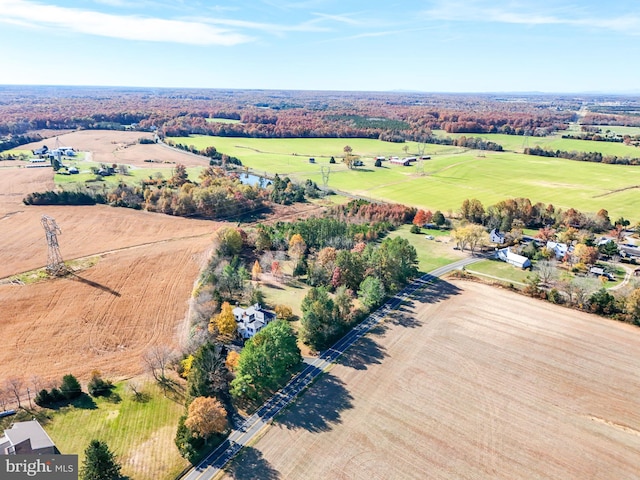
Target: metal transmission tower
x=55 y=265
x=325 y=175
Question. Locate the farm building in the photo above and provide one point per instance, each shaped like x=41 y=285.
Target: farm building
x=26 y=438
x=506 y=255
x=398 y=161
x=496 y=237
x=251 y=320
x=40 y=151
x=425 y=157
x=382 y=159
x=599 y=272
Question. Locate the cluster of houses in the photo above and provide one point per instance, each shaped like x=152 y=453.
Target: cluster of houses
x=45 y=153
x=560 y=250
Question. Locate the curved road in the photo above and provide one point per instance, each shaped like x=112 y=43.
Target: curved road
x=249 y=428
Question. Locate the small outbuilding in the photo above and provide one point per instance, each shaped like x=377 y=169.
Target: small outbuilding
x=520 y=261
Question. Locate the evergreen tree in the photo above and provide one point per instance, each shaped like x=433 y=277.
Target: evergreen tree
x=99 y=463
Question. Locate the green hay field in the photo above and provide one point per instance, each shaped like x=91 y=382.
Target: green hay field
x=517 y=143
x=452 y=175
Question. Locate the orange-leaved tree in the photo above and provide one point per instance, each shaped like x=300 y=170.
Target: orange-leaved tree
x=256 y=271
x=206 y=416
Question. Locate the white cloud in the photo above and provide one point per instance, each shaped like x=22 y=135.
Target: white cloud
x=128 y=27
x=516 y=13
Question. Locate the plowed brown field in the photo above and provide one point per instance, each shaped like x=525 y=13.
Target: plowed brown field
x=105 y=316
x=108 y=146
x=485 y=385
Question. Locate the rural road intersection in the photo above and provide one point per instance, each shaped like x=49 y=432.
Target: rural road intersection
x=210 y=467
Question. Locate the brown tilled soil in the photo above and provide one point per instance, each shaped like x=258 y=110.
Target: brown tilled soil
x=103 y=318
x=471 y=382
x=109 y=147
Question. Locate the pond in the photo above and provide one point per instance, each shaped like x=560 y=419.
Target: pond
x=251 y=179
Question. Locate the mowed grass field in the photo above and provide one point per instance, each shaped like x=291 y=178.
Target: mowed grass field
x=451 y=176
x=517 y=143
x=140 y=433
x=466 y=382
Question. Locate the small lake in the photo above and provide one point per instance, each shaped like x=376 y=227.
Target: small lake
x=251 y=179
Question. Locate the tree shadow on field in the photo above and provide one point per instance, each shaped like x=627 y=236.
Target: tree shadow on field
x=366 y=351
x=435 y=291
x=319 y=407
x=431 y=292
x=91 y=283
x=250 y=465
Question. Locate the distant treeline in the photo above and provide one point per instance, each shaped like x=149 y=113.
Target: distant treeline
x=595 y=157
x=13 y=141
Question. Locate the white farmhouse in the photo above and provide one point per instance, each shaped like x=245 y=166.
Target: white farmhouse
x=251 y=320
x=559 y=249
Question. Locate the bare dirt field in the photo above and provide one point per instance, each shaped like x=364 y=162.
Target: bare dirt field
x=469 y=382
x=106 y=315
x=101 y=318
x=111 y=146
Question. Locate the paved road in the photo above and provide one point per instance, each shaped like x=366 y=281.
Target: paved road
x=250 y=427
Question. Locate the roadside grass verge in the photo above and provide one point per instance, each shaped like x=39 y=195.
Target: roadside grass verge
x=140 y=433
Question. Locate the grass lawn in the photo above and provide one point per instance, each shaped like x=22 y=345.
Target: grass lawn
x=432 y=254
x=451 y=176
x=501 y=270
x=141 y=434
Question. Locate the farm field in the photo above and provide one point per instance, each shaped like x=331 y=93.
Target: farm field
x=517 y=143
x=112 y=146
x=451 y=176
x=468 y=382
x=104 y=317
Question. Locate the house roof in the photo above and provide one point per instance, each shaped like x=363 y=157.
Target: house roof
x=21 y=431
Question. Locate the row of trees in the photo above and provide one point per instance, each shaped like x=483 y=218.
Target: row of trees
x=521 y=212
x=595 y=157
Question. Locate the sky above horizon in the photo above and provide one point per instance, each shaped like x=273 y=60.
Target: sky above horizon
x=429 y=45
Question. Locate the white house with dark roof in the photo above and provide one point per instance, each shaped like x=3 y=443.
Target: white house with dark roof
x=251 y=320
x=497 y=237
x=26 y=438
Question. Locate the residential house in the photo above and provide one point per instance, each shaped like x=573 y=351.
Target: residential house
x=251 y=320
x=496 y=237
x=26 y=438
x=559 y=249
x=520 y=261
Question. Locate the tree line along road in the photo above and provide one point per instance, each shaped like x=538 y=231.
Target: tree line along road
x=208 y=468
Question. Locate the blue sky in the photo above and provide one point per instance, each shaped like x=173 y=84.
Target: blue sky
x=430 y=45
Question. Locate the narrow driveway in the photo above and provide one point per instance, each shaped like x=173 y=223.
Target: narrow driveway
x=241 y=436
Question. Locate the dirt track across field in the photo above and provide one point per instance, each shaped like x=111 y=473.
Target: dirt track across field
x=470 y=382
